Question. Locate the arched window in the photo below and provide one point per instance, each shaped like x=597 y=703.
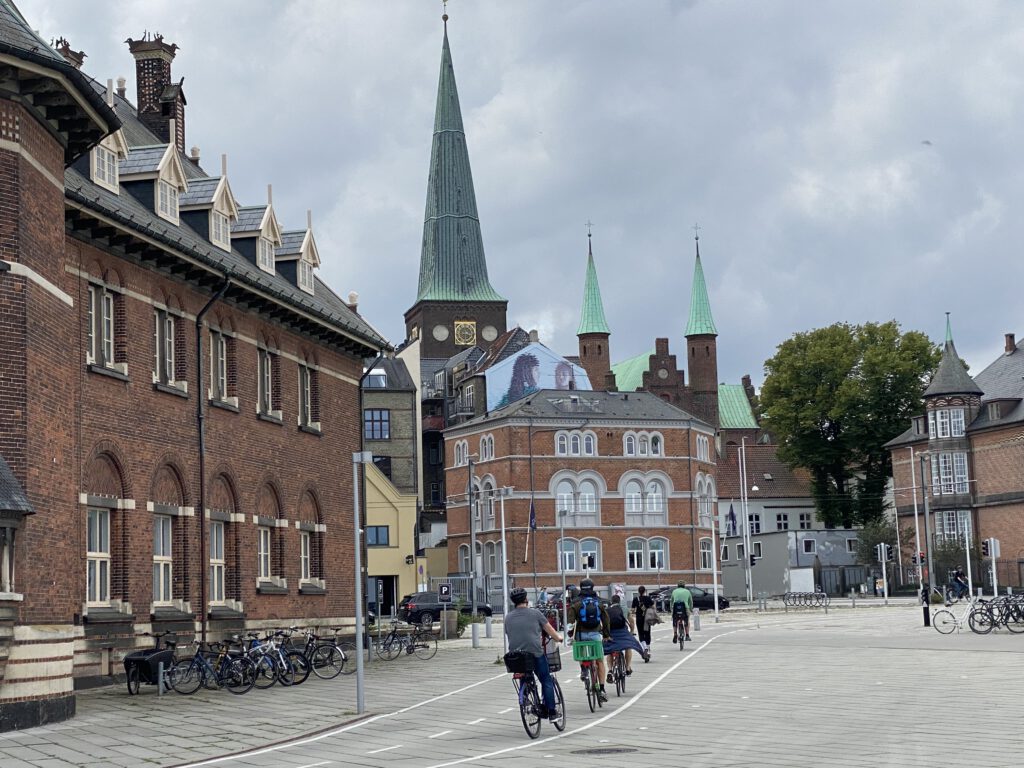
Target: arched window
x=643 y=445
x=568 y=557
x=488 y=502
x=658 y=553
x=586 y=507
x=565 y=498
x=574 y=444
x=656 y=445
x=464 y=558
x=483 y=448
x=589 y=445
x=630 y=446
x=634 y=503
x=491 y=557
x=590 y=554
x=635 y=555
x=705 y=554
x=654 y=504
x=562 y=445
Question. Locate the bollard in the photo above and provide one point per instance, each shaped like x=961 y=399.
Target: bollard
x=476 y=634
x=853 y=599
x=487 y=627
x=696 y=619
x=159 y=679
x=1009 y=591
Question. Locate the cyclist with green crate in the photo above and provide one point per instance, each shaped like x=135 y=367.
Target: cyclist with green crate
x=681 y=605
x=590 y=615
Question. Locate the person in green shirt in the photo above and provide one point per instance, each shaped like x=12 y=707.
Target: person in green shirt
x=681 y=604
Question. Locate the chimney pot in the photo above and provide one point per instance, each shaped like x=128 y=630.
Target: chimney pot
x=353 y=300
x=270 y=194
x=1011 y=343
x=121 y=86
x=110 y=92
x=534 y=336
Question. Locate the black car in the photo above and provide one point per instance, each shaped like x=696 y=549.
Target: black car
x=425 y=608
x=701 y=599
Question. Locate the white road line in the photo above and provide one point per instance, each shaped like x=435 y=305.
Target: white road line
x=343 y=729
x=506 y=711
x=314 y=765
x=442 y=733
x=383 y=749
x=626 y=705
x=478 y=720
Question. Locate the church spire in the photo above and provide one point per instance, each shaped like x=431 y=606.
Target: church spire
x=592 y=318
x=452 y=263
x=701 y=323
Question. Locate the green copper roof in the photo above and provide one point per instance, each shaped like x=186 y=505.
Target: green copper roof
x=629 y=374
x=734 y=411
x=701 y=322
x=592 y=315
x=452 y=263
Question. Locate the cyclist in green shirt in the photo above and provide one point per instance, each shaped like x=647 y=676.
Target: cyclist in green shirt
x=682 y=606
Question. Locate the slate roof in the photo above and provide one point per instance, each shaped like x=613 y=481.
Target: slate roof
x=589 y=405
x=12 y=497
x=592 y=318
x=249 y=219
x=143 y=159
x=503 y=347
x=700 y=322
x=766 y=470
x=397 y=374
x=291 y=243
x=200 y=191
x=452 y=262
x=1003 y=379
x=952 y=377
x=734 y=411
x=629 y=374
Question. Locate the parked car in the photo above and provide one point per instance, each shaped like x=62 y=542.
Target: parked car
x=701 y=599
x=425 y=608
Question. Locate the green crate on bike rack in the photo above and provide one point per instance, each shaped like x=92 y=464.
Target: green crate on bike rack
x=587 y=650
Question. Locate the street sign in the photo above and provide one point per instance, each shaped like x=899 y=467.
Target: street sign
x=444 y=592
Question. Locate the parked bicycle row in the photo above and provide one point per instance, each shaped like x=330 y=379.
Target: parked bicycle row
x=815 y=599
x=242 y=662
x=983 y=616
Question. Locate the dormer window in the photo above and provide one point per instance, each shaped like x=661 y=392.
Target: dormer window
x=167 y=201
x=104 y=168
x=220 y=230
x=305 y=278
x=265 y=255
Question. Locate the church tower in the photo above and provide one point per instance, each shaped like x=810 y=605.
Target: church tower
x=702 y=349
x=593 y=332
x=455 y=307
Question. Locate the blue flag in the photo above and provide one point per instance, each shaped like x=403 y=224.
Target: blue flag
x=533 y=516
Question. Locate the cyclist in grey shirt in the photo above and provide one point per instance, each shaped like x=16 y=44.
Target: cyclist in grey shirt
x=524 y=626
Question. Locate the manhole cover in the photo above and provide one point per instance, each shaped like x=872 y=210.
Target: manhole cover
x=603 y=751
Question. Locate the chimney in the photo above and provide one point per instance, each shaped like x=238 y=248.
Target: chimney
x=609 y=382
x=194 y=156
x=1011 y=343
x=74 y=58
x=159 y=100
x=534 y=336
x=353 y=301
x=110 y=93
x=121 y=83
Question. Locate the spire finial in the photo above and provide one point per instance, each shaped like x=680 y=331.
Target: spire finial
x=590 y=251
x=949 y=330
x=444 y=15
x=696 y=237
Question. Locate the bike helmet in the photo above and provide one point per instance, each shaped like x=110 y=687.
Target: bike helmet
x=681 y=584
x=517 y=596
x=586 y=584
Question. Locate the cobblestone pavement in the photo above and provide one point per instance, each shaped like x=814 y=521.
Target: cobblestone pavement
x=853 y=688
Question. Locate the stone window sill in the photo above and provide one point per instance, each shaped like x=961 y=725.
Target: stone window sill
x=230 y=404
x=175 y=388
x=311 y=429
x=272 y=586
x=274 y=417
x=312 y=587
x=120 y=372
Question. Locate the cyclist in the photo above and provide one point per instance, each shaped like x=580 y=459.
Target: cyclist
x=641 y=603
x=958 y=583
x=622 y=635
x=682 y=606
x=590 y=616
x=524 y=626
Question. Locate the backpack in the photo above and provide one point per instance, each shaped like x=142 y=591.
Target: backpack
x=589 y=614
x=616 y=617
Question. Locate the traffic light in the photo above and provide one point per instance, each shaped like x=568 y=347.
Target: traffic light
x=920 y=558
x=753 y=560
x=888 y=553
x=984 y=548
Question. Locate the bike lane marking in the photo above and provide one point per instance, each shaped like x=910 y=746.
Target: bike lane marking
x=614 y=713
x=383 y=749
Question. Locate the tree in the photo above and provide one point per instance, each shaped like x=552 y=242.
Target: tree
x=834 y=397
x=879 y=531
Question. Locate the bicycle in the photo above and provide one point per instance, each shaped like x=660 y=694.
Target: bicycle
x=235 y=672
x=420 y=641
x=974 y=614
x=326 y=659
x=143 y=666
x=617 y=670
x=587 y=652
x=679 y=627
x=274 y=663
x=522 y=666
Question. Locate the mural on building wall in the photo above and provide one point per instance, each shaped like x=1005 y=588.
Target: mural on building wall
x=532 y=368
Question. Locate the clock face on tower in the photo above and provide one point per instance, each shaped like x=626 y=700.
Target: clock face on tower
x=440 y=332
x=465 y=333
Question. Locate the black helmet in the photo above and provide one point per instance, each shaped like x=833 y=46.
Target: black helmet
x=681 y=584
x=586 y=584
x=517 y=596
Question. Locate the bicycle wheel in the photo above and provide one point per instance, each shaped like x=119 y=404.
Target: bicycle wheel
x=591 y=692
x=425 y=646
x=186 y=676
x=132 y=678
x=265 y=673
x=944 y=622
x=620 y=682
x=529 y=710
x=559 y=706
x=595 y=683
x=296 y=668
x=348 y=651
x=239 y=675
x=390 y=648
x=681 y=629
x=1014 y=618
x=327 y=661
x=980 y=621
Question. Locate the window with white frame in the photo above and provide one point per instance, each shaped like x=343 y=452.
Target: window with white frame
x=946 y=422
x=657 y=554
x=97 y=556
x=782 y=521
x=263 y=539
x=806 y=521
x=464 y=558
x=635 y=554
x=469 y=397
x=305 y=276
x=643 y=445
x=705 y=555
x=491 y=556
x=949 y=472
x=567 y=557
x=953 y=525
x=703 y=448
x=217 y=563
x=163 y=561
x=218 y=366
x=265 y=254
x=309 y=406
x=646 y=554
x=575 y=444
x=100 y=327
x=741 y=552
x=220 y=230
x=655 y=445
x=754 y=519
x=577 y=500
x=167 y=201
x=104 y=168
x=590 y=555
x=645 y=503
x=589 y=445
x=629 y=445
x=705 y=503
x=164 y=343
x=562 y=445
x=756 y=546
x=634 y=498
x=487 y=500
x=268 y=397
x=810 y=546
x=305 y=560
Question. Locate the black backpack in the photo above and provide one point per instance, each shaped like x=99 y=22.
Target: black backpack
x=589 y=614
x=616 y=617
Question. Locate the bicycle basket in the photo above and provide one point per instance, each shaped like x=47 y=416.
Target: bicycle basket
x=520 y=661
x=587 y=650
x=554 y=660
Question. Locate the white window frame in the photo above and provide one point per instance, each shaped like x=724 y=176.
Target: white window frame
x=635 y=554
x=101 y=322
x=741 y=551
x=629 y=445
x=217 y=562
x=754 y=521
x=575 y=444
x=264 y=545
x=220 y=229
x=305 y=396
x=658 y=557
x=806 y=521
x=724 y=554
x=265 y=381
x=782 y=521
x=568 y=555
x=634 y=503
x=163 y=559
x=167 y=201
x=655 y=503
x=810 y=546
x=163 y=347
x=589 y=445
x=705 y=546
x=105 y=168
x=756 y=547
x=956 y=422
x=218 y=366
x=469 y=397
x=98 y=559
x=464 y=564
x=562 y=444
x=590 y=546
x=305 y=560
x=265 y=254
x=305 y=276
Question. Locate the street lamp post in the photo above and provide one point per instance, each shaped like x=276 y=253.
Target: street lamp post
x=561 y=567
x=929 y=542
x=504 y=568
x=359 y=457
x=917 y=541
x=747 y=543
x=472 y=538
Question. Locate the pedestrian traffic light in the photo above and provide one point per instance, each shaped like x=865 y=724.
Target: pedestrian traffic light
x=985 y=547
x=888 y=553
x=753 y=560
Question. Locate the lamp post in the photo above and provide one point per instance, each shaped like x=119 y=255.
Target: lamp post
x=504 y=567
x=472 y=537
x=561 y=567
x=927 y=526
x=359 y=457
x=747 y=545
x=917 y=541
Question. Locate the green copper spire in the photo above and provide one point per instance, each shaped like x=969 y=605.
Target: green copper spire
x=701 y=323
x=592 y=316
x=452 y=263
x=952 y=377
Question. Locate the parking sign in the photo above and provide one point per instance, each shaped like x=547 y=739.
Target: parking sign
x=444 y=592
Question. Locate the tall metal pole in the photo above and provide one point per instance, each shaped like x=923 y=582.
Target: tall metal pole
x=472 y=539
x=714 y=566
x=561 y=567
x=967 y=552
x=929 y=542
x=917 y=542
x=359 y=457
x=747 y=545
x=504 y=570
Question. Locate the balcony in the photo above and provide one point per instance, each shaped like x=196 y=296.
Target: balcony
x=433 y=423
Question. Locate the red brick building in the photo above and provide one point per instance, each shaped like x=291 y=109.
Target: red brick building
x=633 y=474
x=178 y=390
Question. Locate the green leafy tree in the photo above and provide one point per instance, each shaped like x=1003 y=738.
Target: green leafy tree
x=880 y=531
x=833 y=397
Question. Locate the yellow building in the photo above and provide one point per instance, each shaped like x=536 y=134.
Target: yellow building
x=391 y=566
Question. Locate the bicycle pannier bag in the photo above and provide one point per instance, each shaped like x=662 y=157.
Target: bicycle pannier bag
x=520 y=661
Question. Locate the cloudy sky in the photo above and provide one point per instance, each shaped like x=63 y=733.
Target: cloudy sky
x=845 y=161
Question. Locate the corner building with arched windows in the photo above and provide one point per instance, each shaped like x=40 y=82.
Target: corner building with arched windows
x=625 y=474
